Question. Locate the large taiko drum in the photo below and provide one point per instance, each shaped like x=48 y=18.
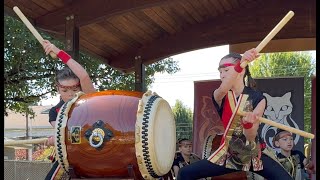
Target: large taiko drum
x=116 y=134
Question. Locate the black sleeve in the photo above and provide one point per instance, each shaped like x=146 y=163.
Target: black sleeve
x=218 y=108
x=175 y=162
x=178 y=158
x=53 y=114
x=257 y=97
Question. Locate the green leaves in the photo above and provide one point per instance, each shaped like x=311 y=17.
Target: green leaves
x=29 y=73
x=183 y=116
x=288 y=64
x=283 y=64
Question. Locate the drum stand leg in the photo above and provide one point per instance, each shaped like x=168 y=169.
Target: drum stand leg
x=72 y=173
x=131 y=172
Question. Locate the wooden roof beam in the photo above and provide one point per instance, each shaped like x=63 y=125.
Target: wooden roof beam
x=217 y=32
x=9 y=12
x=88 y=12
x=279 y=45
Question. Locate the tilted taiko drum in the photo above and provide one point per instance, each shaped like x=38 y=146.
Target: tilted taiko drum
x=116 y=134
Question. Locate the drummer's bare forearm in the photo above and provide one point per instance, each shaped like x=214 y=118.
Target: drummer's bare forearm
x=252 y=132
x=225 y=86
x=81 y=73
x=77 y=69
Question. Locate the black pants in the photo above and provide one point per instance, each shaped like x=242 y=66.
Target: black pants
x=52 y=170
x=204 y=168
x=51 y=174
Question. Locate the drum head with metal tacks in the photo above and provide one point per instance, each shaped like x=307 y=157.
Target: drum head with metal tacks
x=155 y=136
x=61 y=123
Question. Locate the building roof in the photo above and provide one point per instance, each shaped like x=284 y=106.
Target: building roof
x=118 y=31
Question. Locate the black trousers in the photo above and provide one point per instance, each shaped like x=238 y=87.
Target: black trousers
x=52 y=170
x=204 y=168
x=51 y=174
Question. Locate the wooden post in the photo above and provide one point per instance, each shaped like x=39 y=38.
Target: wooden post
x=27 y=126
x=313 y=124
x=140 y=84
x=72 y=37
x=28 y=151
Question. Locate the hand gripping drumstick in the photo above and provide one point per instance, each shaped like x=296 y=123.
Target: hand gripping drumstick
x=272 y=33
x=31 y=28
x=281 y=126
x=241 y=112
x=263 y=43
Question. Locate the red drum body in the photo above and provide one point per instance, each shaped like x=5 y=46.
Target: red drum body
x=98 y=135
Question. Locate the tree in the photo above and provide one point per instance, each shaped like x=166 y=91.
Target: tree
x=288 y=64
x=183 y=116
x=29 y=74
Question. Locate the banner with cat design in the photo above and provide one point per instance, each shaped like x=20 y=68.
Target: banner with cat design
x=285 y=105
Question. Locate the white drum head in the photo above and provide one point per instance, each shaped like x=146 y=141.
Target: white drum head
x=155 y=136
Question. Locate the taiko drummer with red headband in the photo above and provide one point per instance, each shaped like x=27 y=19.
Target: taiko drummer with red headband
x=69 y=80
x=242 y=151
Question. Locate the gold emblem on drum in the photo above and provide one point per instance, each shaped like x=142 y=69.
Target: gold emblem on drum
x=98 y=131
x=75 y=135
x=98 y=134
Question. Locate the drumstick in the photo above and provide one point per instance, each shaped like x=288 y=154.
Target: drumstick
x=26 y=141
x=31 y=28
x=272 y=33
x=280 y=126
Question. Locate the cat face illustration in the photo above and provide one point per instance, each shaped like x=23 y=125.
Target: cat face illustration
x=278 y=107
x=279 y=110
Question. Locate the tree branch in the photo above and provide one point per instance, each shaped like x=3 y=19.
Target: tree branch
x=26 y=99
x=15 y=81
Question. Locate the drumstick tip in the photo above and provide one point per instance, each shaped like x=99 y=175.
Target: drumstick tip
x=291 y=13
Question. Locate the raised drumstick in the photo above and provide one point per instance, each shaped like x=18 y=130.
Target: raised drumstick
x=31 y=28
x=271 y=34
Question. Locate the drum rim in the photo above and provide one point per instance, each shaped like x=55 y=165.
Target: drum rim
x=146 y=166
x=144 y=140
x=114 y=92
x=60 y=145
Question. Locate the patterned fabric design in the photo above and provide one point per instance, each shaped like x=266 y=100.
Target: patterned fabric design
x=292 y=165
x=237 y=152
